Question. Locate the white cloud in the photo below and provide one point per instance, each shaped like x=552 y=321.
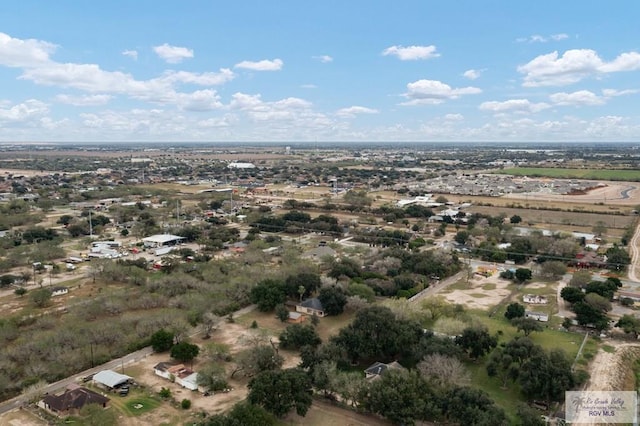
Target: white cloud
x=200 y=100
x=536 y=38
x=264 y=65
x=324 y=58
x=411 y=53
x=23 y=112
x=581 y=97
x=352 y=111
x=472 y=74
x=173 y=54
x=610 y=93
x=203 y=79
x=434 y=92
x=309 y=86
x=454 y=117
x=573 y=66
x=513 y=105
x=86 y=100
x=15 y=52
x=133 y=54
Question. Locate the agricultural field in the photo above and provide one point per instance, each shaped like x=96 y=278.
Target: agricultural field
x=562 y=173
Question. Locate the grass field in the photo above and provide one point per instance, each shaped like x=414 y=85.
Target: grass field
x=595 y=174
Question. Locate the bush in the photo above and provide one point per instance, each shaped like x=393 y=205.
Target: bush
x=165 y=393
x=185 y=404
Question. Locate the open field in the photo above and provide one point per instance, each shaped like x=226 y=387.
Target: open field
x=561 y=173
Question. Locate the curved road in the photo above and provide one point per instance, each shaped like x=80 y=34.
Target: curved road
x=635 y=255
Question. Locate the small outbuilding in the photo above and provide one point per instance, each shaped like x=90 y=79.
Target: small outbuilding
x=110 y=379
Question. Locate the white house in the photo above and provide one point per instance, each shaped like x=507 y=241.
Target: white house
x=177 y=373
x=59 y=291
x=538 y=316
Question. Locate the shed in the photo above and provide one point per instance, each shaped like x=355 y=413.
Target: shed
x=110 y=379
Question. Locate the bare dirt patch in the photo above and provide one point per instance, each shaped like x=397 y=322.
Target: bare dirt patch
x=21 y=418
x=475 y=297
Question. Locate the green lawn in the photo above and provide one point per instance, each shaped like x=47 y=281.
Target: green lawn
x=135 y=404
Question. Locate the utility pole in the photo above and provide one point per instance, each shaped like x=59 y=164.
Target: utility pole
x=90 y=226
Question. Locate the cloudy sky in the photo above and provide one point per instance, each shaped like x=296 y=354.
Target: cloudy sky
x=330 y=70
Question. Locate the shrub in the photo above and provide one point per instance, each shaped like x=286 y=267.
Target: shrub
x=185 y=404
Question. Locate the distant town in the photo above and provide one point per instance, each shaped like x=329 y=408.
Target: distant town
x=368 y=284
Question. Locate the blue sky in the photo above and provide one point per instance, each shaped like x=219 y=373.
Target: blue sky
x=329 y=70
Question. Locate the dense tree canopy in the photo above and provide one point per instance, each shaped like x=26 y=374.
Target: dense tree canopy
x=476 y=341
x=376 y=334
x=280 y=391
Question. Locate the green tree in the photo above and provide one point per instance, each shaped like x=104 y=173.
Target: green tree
x=185 y=404
x=256 y=360
x=309 y=281
x=572 y=294
x=40 y=297
x=212 y=376
x=597 y=302
x=296 y=336
x=515 y=219
x=514 y=310
x=282 y=313
x=553 y=269
x=523 y=274
x=243 y=414
x=376 y=334
x=461 y=237
x=402 y=397
x=476 y=341
x=468 y=406
x=502 y=365
x=184 y=351
x=588 y=315
x=527 y=325
x=605 y=289
x=280 y=391
x=162 y=340
x=268 y=294
x=546 y=376
x=333 y=300
x=629 y=324
x=580 y=279
x=165 y=393
x=617 y=258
